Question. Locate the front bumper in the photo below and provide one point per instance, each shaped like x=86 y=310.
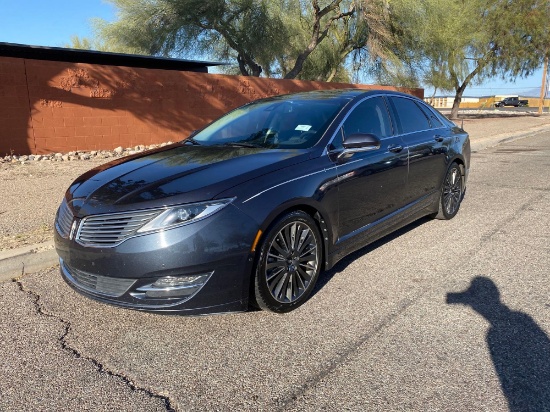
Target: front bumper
x=216 y=248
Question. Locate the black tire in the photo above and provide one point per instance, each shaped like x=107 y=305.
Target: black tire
x=451 y=193
x=289 y=263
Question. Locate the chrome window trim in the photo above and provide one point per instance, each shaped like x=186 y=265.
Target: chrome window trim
x=443 y=119
x=420 y=131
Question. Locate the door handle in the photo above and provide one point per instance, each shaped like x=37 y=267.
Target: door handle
x=438 y=138
x=395 y=148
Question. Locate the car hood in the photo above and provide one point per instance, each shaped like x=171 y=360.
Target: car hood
x=173 y=175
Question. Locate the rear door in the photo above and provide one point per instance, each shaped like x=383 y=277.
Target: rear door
x=427 y=141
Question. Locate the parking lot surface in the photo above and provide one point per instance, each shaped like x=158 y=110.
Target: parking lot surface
x=441 y=316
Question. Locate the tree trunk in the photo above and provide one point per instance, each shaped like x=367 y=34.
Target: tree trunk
x=246 y=63
x=331 y=75
x=543 y=86
x=242 y=66
x=461 y=87
x=457 y=100
x=295 y=71
x=319 y=33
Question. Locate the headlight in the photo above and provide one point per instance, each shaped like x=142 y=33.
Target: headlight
x=184 y=214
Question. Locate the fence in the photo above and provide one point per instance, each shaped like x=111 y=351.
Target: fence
x=56 y=106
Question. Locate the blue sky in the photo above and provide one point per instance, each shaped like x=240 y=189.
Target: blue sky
x=53 y=22
x=49 y=22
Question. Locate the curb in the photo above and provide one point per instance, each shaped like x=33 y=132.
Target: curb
x=481 y=143
x=27 y=259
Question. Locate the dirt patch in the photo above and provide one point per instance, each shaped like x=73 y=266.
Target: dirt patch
x=31 y=194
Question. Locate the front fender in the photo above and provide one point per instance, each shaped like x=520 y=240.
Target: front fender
x=310 y=186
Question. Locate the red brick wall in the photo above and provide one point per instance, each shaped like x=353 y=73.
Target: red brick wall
x=15 y=115
x=50 y=107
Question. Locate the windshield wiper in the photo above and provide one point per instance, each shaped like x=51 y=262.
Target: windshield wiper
x=241 y=144
x=192 y=141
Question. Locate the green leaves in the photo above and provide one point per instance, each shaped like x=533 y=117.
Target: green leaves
x=462 y=42
x=446 y=44
x=307 y=39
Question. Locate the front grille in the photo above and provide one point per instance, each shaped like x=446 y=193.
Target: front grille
x=113 y=287
x=64 y=220
x=110 y=230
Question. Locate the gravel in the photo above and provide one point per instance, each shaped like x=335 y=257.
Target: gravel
x=79 y=155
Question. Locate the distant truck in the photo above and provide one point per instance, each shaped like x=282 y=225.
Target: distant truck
x=512 y=101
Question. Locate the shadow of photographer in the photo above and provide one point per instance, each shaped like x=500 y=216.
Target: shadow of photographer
x=519 y=348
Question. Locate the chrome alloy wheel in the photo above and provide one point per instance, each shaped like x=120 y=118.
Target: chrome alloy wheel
x=292 y=262
x=452 y=191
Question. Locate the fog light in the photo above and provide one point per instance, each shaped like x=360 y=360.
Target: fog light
x=173 y=287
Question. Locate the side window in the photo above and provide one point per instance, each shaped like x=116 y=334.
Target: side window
x=411 y=117
x=434 y=120
x=370 y=116
x=436 y=123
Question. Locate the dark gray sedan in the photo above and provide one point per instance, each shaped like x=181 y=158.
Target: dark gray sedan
x=251 y=208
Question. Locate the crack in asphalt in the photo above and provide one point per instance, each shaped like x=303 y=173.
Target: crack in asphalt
x=35 y=297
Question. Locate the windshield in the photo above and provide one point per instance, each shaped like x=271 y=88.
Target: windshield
x=277 y=124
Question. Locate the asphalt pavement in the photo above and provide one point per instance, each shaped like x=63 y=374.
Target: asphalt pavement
x=441 y=316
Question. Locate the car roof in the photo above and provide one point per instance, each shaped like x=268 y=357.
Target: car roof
x=335 y=94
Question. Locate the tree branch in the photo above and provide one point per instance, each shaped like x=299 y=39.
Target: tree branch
x=318 y=35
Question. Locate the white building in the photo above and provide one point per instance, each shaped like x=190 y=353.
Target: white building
x=446 y=102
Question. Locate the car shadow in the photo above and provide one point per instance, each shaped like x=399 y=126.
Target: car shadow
x=326 y=276
x=519 y=348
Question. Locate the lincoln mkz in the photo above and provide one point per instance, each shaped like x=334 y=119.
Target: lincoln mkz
x=251 y=208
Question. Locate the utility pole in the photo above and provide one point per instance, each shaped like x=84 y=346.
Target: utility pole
x=543 y=87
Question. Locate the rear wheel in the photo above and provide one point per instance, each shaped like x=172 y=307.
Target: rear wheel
x=289 y=263
x=451 y=193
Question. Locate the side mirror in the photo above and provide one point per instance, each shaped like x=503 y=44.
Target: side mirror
x=361 y=142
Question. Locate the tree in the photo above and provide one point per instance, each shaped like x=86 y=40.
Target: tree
x=458 y=43
x=174 y=27
x=362 y=33
x=323 y=20
x=289 y=38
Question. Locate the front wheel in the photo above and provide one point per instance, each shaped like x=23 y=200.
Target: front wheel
x=451 y=193
x=289 y=263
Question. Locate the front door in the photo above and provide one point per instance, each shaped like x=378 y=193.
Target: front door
x=371 y=183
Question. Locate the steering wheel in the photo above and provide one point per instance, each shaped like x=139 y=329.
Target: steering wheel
x=271 y=136
x=308 y=135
